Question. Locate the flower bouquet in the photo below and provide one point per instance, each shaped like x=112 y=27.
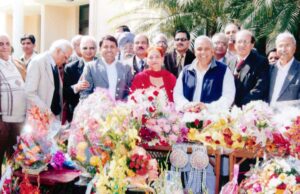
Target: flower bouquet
x=34 y=145
x=274 y=176
x=160 y=123
x=100 y=126
x=292 y=135
x=133 y=169
x=87 y=145
x=253 y=122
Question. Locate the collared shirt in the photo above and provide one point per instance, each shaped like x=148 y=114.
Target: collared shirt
x=225 y=101
x=112 y=76
x=280 y=78
x=26 y=62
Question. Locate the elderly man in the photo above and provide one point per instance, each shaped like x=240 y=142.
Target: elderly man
x=73 y=71
x=285 y=74
x=204 y=83
x=125 y=42
x=75 y=42
x=181 y=55
x=12 y=99
x=250 y=70
x=107 y=72
x=161 y=40
x=43 y=82
x=138 y=61
x=220 y=43
x=28 y=45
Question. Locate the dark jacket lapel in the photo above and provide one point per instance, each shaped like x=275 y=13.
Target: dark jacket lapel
x=289 y=77
x=273 y=74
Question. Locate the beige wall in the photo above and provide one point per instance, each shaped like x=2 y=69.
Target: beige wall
x=32 y=25
x=57 y=23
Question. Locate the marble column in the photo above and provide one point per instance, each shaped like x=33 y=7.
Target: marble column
x=18 y=26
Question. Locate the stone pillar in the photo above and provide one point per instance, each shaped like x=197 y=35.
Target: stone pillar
x=93 y=17
x=18 y=26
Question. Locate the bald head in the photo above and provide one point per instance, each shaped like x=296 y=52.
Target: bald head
x=5 y=47
x=203 y=51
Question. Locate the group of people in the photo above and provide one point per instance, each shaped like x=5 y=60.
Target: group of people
x=221 y=71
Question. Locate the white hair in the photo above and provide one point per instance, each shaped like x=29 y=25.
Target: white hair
x=220 y=35
x=200 y=38
x=86 y=38
x=159 y=36
x=285 y=35
x=75 y=39
x=61 y=44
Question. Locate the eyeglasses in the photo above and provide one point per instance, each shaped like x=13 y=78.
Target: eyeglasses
x=162 y=42
x=180 y=39
x=90 y=48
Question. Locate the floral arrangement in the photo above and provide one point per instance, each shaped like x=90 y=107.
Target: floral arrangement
x=128 y=169
x=160 y=123
x=274 y=176
x=292 y=135
x=253 y=122
x=218 y=133
x=100 y=125
x=241 y=128
x=34 y=145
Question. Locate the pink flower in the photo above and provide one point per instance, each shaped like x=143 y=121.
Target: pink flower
x=150 y=122
x=175 y=129
x=166 y=128
x=93 y=124
x=173 y=138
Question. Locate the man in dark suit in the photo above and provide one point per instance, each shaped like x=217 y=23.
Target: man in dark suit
x=72 y=73
x=285 y=74
x=181 y=55
x=250 y=70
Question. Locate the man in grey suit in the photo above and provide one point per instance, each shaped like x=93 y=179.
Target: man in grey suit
x=43 y=86
x=107 y=72
x=285 y=74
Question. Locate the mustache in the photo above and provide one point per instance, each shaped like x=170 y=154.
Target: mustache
x=141 y=48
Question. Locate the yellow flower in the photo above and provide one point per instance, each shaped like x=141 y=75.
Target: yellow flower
x=192 y=134
x=130 y=173
x=81 y=158
x=82 y=146
x=95 y=161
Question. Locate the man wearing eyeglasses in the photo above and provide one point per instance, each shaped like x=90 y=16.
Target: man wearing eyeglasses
x=43 y=84
x=72 y=72
x=250 y=70
x=181 y=55
x=285 y=74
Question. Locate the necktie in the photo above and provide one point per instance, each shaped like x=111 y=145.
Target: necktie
x=142 y=64
x=238 y=68
x=55 y=105
x=179 y=63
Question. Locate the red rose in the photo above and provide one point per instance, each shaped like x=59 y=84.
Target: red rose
x=155 y=93
x=197 y=122
x=150 y=98
x=282 y=186
x=152 y=109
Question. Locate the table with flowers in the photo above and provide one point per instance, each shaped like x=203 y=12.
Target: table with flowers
x=111 y=144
